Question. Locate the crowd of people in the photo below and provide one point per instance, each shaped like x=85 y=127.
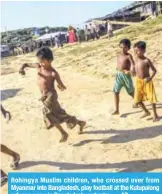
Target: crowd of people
x=33 y=45
x=94 y=31
x=91 y=31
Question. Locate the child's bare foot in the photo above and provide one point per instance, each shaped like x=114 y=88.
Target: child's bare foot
x=146 y=114
x=136 y=106
x=115 y=113
x=70 y=125
x=82 y=125
x=15 y=162
x=156 y=119
x=64 y=138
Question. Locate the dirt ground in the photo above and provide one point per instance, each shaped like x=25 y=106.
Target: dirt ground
x=110 y=143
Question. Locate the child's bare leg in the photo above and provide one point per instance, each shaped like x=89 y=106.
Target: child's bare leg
x=63 y=133
x=155 y=113
x=134 y=105
x=81 y=125
x=74 y=121
x=147 y=113
x=132 y=94
x=14 y=155
x=116 y=98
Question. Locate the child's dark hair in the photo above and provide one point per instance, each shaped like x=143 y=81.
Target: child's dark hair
x=126 y=42
x=45 y=53
x=140 y=45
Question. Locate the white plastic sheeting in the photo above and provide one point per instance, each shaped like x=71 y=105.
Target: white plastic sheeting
x=50 y=35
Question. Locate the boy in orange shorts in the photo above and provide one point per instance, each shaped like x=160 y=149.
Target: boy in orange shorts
x=144 y=87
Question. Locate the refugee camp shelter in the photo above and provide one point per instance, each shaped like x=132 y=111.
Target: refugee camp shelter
x=47 y=37
x=5 y=50
x=135 y=12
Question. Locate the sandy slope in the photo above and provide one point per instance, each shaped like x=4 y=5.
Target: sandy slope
x=120 y=143
x=109 y=143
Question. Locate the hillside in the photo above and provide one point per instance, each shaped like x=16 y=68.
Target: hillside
x=122 y=143
x=95 y=57
x=23 y=35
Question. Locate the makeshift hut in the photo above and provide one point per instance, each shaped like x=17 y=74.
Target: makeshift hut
x=47 y=37
x=135 y=12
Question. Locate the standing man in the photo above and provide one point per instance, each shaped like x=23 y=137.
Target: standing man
x=78 y=34
x=92 y=31
x=97 y=30
x=60 y=39
x=87 y=33
x=109 y=29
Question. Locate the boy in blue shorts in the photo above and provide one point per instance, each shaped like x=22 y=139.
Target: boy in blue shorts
x=125 y=67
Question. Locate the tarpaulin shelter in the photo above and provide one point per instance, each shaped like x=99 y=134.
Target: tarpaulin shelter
x=134 y=12
x=46 y=37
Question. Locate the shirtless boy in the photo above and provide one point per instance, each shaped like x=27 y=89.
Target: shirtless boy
x=144 y=89
x=125 y=66
x=53 y=114
x=6 y=150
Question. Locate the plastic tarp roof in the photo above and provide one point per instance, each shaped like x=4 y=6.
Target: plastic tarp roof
x=119 y=13
x=4 y=48
x=49 y=36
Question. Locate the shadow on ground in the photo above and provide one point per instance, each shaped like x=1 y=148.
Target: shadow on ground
x=124 y=136
x=130 y=166
x=9 y=93
x=158 y=106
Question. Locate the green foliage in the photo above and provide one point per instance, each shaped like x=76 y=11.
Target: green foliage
x=23 y=35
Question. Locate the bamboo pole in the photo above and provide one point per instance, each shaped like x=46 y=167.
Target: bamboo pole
x=115 y=22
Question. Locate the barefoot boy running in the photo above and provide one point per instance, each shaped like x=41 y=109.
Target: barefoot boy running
x=144 y=89
x=53 y=114
x=125 y=65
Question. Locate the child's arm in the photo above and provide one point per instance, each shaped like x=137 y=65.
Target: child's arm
x=153 y=70
x=32 y=65
x=61 y=86
x=132 y=65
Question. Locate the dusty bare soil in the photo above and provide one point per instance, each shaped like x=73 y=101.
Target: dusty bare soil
x=110 y=143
